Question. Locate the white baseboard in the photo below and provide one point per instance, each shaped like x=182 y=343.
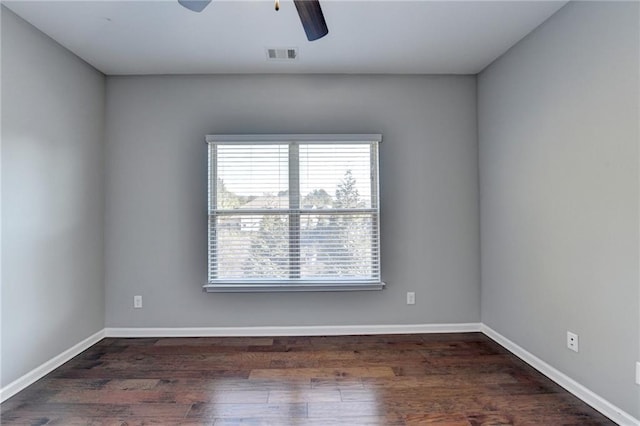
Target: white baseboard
x=331 y=330
x=47 y=367
x=602 y=405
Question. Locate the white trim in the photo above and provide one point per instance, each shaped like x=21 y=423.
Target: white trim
x=48 y=366
x=293 y=285
x=602 y=405
x=285 y=138
x=329 y=330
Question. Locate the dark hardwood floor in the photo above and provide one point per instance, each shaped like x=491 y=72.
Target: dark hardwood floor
x=448 y=379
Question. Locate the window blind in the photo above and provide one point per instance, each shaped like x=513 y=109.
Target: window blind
x=293 y=212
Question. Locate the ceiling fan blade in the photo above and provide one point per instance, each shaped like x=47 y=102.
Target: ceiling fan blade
x=312 y=18
x=195 y=5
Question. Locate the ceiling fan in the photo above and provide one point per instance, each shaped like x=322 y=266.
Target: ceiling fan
x=309 y=11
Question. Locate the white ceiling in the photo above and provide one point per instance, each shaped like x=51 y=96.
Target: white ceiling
x=395 y=37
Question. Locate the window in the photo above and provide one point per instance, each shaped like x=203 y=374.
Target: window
x=293 y=213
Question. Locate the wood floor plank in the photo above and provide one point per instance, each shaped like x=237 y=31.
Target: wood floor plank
x=304 y=395
x=273 y=373
x=209 y=341
x=260 y=411
x=487 y=418
x=420 y=379
x=325 y=421
x=449 y=419
x=337 y=383
x=127 y=372
x=413 y=396
x=131 y=384
x=92 y=410
x=227 y=384
x=443 y=380
x=344 y=409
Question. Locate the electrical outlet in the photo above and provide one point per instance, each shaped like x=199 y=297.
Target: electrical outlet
x=637 y=373
x=137 y=301
x=572 y=341
x=411 y=298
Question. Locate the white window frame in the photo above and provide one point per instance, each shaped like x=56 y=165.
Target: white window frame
x=214 y=285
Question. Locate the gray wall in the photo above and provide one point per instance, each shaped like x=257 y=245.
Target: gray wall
x=52 y=198
x=156 y=195
x=558 y=132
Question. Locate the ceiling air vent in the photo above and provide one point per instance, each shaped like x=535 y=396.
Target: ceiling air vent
x=282 y=54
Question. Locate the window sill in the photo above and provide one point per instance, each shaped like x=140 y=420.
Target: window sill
x=276 y=287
